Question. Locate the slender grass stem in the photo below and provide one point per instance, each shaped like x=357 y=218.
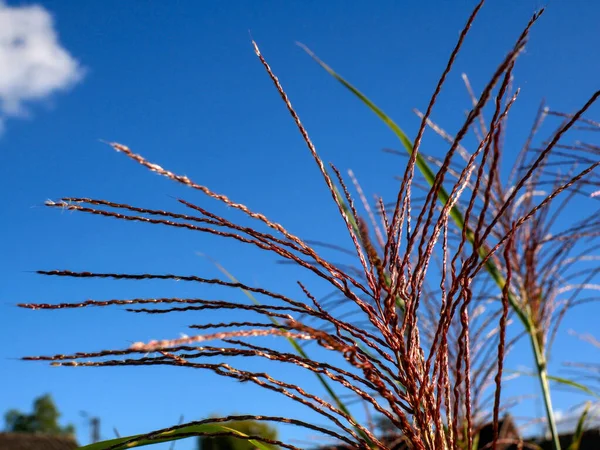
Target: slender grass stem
x=542 y=371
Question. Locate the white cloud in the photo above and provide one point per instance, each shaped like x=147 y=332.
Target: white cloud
x=33 y=64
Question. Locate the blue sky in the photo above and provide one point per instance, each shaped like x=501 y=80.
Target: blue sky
x=179 y=82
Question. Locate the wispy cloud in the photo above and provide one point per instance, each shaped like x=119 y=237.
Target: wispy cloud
x=33 y=64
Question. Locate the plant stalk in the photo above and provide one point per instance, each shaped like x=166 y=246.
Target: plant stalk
x=542 y=371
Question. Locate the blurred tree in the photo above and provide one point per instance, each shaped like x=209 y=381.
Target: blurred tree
x=249 y=427
x=43 y=419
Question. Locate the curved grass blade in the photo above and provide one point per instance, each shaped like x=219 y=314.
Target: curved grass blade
x=574 y=384
x=576 y=442
x=168 y=436
x=564 y=381
x=404 y=139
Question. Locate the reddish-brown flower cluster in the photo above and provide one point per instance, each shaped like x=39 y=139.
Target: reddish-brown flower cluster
x=410 y=352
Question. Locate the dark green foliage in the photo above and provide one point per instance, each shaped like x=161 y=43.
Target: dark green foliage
x=248 y=427
x=43 y=419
